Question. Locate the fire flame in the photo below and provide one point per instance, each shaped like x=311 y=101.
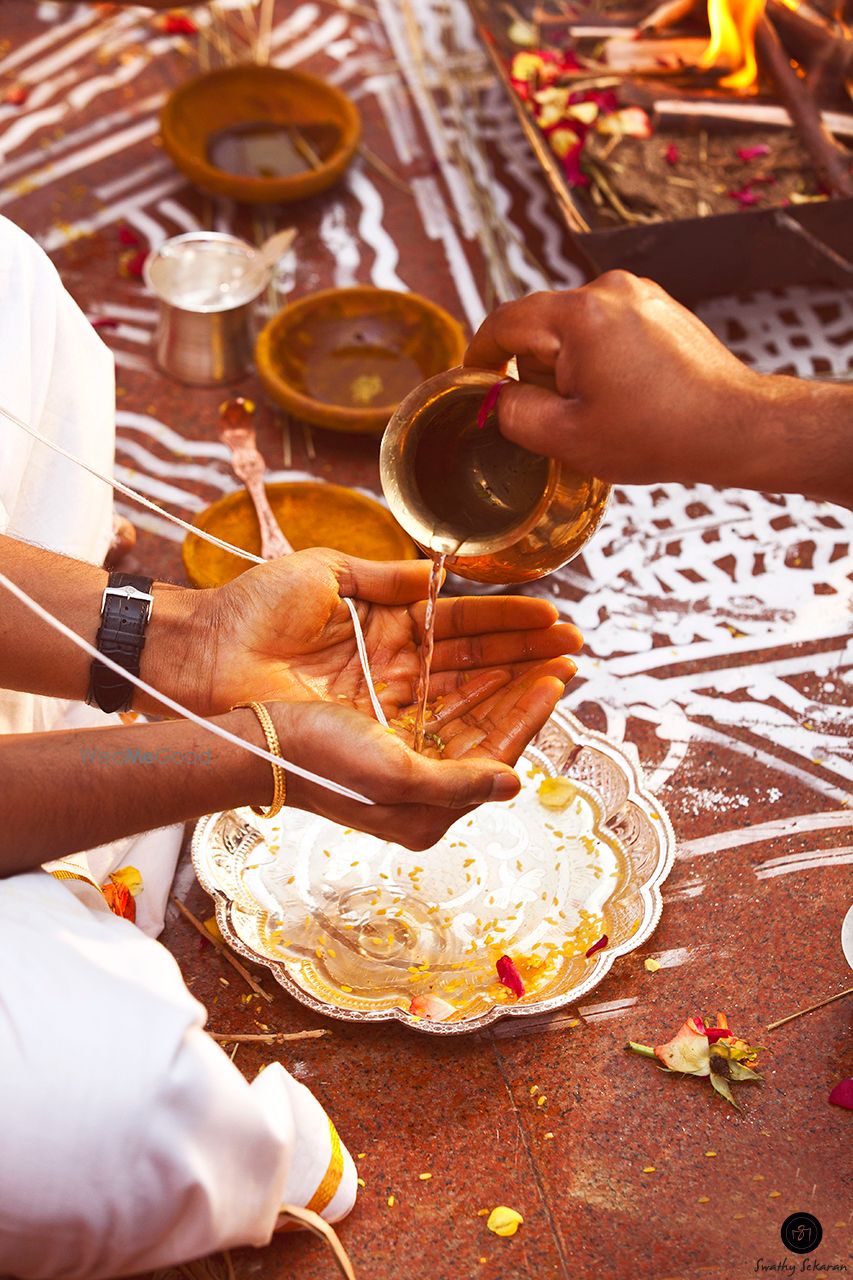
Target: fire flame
x=733 y=24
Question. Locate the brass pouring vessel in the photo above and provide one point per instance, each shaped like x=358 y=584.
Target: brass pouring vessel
x=499 y=513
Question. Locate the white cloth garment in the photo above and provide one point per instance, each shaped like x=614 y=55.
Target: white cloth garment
x=128 y=1140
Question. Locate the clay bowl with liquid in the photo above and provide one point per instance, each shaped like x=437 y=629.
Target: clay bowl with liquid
x=311 y=514
x=345 y=358
x=260 y=134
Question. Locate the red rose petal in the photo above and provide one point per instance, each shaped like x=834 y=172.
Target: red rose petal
x=490 y=401
x=597 y=946
x=128 y=236
x=103 y=322
x=717 y=1033
x=132 y=264
x=178 y=24
x=745 y=197
x=752 y=153
x=672 y=155
x=509 y=976
x=842 y=1094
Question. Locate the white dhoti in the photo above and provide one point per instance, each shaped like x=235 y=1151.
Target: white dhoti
x=128 y=1140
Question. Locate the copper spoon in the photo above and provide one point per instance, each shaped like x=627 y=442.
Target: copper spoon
x=248 y=466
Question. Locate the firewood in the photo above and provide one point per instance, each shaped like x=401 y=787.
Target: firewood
x=807 y=39
x=657 y=56
x=742 y=112
x=669 y=14
x=831 y=162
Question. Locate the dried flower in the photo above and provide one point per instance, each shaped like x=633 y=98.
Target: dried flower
x=715 y=1052
x=509 y=976
x=597 y=946
x=504 y=1221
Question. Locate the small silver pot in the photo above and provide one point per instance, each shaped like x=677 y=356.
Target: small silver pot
x=206 y=284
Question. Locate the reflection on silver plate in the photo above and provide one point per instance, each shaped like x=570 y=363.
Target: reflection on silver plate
x=357 y=928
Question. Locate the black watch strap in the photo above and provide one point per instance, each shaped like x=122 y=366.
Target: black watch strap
x=125 y=610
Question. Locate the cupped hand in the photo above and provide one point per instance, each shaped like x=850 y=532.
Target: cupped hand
x=282 y=632
x=620 y=381
x=417 y=797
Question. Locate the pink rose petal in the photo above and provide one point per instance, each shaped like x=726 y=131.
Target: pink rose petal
x=672 y=155
x=842 y=1094
x=745 y=197
x=509 y=976
x=597 y=946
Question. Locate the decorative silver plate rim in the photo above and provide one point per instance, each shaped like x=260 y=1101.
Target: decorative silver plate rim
x=650 y=894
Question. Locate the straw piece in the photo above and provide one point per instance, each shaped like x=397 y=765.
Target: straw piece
x=221 y=948
x=274 y=1037
x=839 y=995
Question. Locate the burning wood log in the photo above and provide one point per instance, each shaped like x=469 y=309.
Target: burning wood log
x=831 y=162
x=808 y=39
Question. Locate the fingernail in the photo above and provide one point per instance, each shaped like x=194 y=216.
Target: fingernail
x=505 y=787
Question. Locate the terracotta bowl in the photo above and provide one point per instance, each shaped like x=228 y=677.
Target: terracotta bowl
x=345 y=358
x=318 y=115
x=312 y=514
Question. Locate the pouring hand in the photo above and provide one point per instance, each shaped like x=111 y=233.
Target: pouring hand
x=620 y=381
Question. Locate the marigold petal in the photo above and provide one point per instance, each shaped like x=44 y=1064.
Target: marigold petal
x=504 y=1221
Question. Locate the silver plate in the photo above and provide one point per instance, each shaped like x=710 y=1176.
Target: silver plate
x=355 y=927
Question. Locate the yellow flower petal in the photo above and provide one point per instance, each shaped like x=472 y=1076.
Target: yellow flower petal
x=131 y=878
x=556 y=793
x=504 y=1221
x=213 y=929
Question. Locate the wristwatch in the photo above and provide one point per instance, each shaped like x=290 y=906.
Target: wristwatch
x=125 y=609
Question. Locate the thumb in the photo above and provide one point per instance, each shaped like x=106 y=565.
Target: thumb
x=384 y=582
x=539 y=420
x=459 y=784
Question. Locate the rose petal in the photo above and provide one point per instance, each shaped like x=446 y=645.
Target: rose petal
x=718 y=1033
x=842 y=1094
x=688 y=1051
x=509 y=976
x=177 y=24
x=103 y=322
x=753 y=153
x=119 y=899
x=432 y=1007
x=597 y=946
x=128 y=236
x=16 y=95
x=745 y=197
x=556 y=793
x=490 y=401
x=672 y=155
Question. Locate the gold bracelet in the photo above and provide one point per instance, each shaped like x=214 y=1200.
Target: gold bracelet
x=279 y=791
